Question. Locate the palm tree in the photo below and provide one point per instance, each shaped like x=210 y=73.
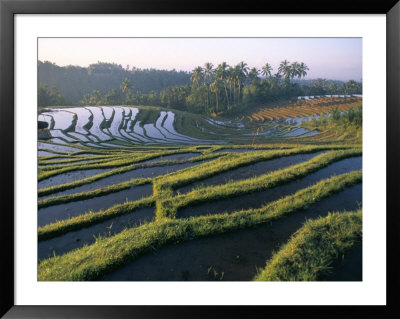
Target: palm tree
x=253 y=75
x=285 y=69
x=333 y=88
x=303 y=68
x=266 y=70
x=197 y=76
x=208 y=73
x=295 y=70
x=222 y=74
x=126 y=86
x=231 y=81
x=215 y=89
x=241 y=74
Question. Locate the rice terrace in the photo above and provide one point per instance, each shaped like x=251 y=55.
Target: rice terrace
x=226 y=172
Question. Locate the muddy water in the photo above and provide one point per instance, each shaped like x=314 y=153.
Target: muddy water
x=88 y=154
x=174 y=157
x=70 y=177
x=63 y=164
x=236 y=254
x=58 y=148
x=242 y=150
x=123 y=177
x=51 y=214
x=258 y=199
x=350 y=268
x=44 y=153
x=296 y=132
x=76 y=239
x=250 y=171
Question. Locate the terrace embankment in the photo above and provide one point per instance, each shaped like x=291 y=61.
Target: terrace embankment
x=257 y=199
x=243 y=150
x=143 y=172
x=230 y=256
x=51 y=214
x=87 y=236
x=174 y=157
x=70 y=177
x=249 y=171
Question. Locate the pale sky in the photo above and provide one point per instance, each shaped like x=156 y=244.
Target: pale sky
x=330 y=58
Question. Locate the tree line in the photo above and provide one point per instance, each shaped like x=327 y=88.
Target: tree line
x=73 y=82
x=218 y=89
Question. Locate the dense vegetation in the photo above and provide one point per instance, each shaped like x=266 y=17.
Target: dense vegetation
x=224 y=89
x=313 y=250
x=99 y=79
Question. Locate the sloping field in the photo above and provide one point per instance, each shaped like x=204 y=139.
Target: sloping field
x=194 y=212
x=302 y=109
x=96 y=126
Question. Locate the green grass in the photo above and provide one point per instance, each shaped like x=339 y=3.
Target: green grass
x=312 y=252
x=64 y=226
x=228 y=162
x=109 y=253
x=73 y=159
x=91 y=179
x=106 y=254
x=113 y=163
x=167 y=206
x=62 y=199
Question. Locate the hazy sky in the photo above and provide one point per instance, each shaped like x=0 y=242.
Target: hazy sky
x=331 y=58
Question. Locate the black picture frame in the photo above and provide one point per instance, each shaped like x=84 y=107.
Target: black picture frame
x=8 y=8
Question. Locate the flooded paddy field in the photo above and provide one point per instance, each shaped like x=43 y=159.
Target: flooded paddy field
x=206 y=213
x=229 y=257
x=250 y=171
x=241 y=150
x=70 y=177
x=174 y=157
x=86 y=236
x=54 y=213
x=145 y=172
x=257 y=199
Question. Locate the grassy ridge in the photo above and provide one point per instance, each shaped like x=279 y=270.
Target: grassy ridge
x=92 y=159
x=91 y=194
x=91 y=179
x=63 y=226
x=163 y=185
x=168 y=207
x=94 y=261
x=235 y=160
x=43 y=174
x=312 y=251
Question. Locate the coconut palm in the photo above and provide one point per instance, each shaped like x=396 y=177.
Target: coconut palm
x=222 y=74
x=295 y=70
x=241 y=71
x=253 y=75
x=197 y=75
x=208 y=73
x=126 y=86
x=266 y=70
x=231 y=82
x=285 y=69
x=302 y=69
x=215 y=89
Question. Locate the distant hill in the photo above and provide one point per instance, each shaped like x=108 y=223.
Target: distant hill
x=73 y=82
